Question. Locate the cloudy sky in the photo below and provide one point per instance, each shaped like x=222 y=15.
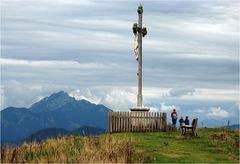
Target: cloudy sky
x=85 y=47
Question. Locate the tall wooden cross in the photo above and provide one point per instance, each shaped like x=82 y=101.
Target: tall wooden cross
x=139 y=32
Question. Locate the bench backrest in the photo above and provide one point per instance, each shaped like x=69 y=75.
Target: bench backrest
x=194 y=123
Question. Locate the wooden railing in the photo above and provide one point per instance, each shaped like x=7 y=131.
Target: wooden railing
x=137 y=121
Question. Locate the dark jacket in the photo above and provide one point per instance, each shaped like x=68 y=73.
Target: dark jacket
x=181 y=121
x=186 y=121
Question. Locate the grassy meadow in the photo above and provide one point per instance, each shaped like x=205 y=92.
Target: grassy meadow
x=211 y=145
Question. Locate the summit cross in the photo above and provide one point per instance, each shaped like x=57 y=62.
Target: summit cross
x=139 y=32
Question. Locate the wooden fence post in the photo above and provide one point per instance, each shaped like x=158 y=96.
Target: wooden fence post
x=148 y=122
x=130 y=120
x=155 y=120
x=127 y=122
x=119 y=122
x=109 y=122
x=164 y=121
x=160 y=122
x=144 y=121
x=116 y=121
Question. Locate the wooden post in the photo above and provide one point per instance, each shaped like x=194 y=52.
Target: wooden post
x=137 y=122
x=127 y=121
x=160 y=121
x=110 y=122
x=144 y=121
x=164 y=121
x=124 y=121
x=130 y=121
x=113 y=121
x=117 y=121
x=120 y=121
x=154 y=121
x=119 y=128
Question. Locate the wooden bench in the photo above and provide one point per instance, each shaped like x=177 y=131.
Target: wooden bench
x=193 y=128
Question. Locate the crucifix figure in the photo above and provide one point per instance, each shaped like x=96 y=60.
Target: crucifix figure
x=139 y=32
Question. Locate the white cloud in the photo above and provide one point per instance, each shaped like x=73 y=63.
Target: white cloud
x=166 y=108
x=120 y=99
x=217 y=112
x=103 y=24
x=178 y=92
x=84 y=94
x=50 y=64
x=44 y=4
x=215 y=94
x=19 y=94
x=153 y=109
x=2 y=97
x=116 y=98
x=237 y=104
x=69 y=2
x=199 y=111
x=154 y=92
x=190 y=93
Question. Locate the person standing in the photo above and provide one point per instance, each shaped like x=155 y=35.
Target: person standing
x=174 y=117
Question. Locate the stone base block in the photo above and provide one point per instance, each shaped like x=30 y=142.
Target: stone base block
x=139 y=109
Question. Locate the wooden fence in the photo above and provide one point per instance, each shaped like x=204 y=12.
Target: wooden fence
x=137 y=121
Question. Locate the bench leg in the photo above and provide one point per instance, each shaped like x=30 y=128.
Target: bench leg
x=184 y=130
x=195 y=133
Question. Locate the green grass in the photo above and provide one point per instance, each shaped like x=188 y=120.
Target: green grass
x=211 y=146
x=175 y=148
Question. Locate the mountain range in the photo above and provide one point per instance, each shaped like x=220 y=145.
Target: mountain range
x=58 y=110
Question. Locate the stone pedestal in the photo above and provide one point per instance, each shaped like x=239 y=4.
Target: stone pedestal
x=139 y=109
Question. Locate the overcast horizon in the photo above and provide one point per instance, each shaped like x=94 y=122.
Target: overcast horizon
x=190 y=54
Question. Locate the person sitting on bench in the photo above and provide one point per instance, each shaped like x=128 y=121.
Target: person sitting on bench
x=181 y=122
x=192 y=127
x=186 y=121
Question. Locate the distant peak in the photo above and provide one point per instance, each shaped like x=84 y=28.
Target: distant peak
x=60 y=93
x=58 y=96
x=52 y=102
